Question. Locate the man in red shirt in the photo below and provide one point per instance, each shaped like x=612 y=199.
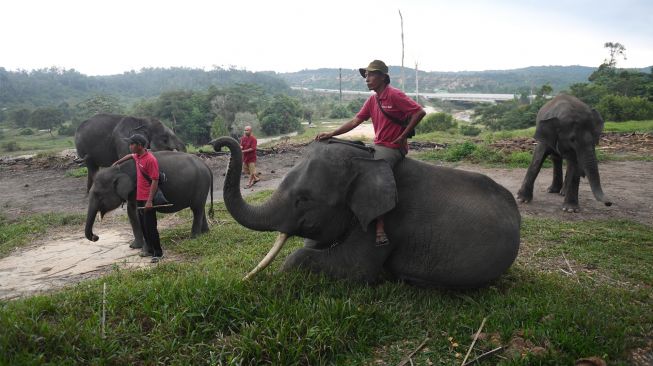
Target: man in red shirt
x=248 y=146
x=390 y=138
x=147 y=183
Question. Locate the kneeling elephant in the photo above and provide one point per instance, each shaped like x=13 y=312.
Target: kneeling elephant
x=447 y=227
x=189 y=181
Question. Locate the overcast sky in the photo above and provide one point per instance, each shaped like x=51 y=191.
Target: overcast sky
x=111 y=37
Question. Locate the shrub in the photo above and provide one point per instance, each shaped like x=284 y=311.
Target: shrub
x=339 y=111
x=10 y=146
x=436 y=122
x=26 y=132
x=459 y=152
x=66 y=130
x=469 y=130
x=619 y=108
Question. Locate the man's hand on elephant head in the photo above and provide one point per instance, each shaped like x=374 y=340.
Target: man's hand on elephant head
x=323 y=136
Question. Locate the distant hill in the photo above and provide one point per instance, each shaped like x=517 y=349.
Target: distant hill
x=50 y=87
x=491 y=81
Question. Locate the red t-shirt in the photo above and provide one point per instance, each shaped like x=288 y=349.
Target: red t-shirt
x=395 y=103
x=247 y=142
x=147 y=164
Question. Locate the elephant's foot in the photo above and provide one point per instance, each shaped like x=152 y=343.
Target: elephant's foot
x=524 y=197
x=570 y=207
x=136 y=244
x=554 y=189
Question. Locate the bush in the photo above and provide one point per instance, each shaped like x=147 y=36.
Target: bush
x=619 y=108
x=468 y=130
x=66 y=130
x=436 y=122
x=10 y=146
x=339 y=111
x=26 y=132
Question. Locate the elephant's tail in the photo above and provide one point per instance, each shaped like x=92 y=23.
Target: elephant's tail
x=211 y=206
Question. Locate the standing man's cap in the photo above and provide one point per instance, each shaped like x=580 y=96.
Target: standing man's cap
x=137 y=139
x=376 y=65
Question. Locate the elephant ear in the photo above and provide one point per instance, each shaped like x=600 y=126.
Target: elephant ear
x=123 y=186
x=547 y=131
x=598 y=125
x=373 y=191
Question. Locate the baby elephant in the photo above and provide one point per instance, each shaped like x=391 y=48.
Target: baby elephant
x=566 y=129
x=189 y=181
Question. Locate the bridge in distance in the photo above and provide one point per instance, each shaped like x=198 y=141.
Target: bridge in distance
x=460 y=97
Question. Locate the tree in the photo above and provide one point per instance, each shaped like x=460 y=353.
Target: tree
x=20 y=117
x=98 y=104
x=616 y=49
x=46 y=118
x=282 y=115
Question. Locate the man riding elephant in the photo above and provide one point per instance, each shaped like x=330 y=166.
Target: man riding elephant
x=394 y=117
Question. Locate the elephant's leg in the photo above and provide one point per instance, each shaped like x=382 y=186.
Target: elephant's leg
x=134 y=221
x=205 y=224
x=556 y=184
x=525 y=193
x=572 y=181
x=356 y=258
x=568 y=180
x=92 y=170
x=198 y=221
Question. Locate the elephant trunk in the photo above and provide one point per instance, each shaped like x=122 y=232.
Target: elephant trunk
x=90 y=219
x=590 y=166
x=261 y=218
x=276 y=248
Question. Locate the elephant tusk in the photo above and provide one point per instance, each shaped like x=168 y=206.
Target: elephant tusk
x=276 y=248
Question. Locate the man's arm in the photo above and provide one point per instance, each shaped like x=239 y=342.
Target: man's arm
x=150 y=197
x=124 y=158
x=414 y=120
x=344 y=128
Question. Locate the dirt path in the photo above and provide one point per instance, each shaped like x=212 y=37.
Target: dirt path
x=66 y=257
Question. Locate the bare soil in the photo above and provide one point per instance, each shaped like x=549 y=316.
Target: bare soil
x=65 y=256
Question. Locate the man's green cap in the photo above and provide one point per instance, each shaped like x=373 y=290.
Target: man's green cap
x=376 y=65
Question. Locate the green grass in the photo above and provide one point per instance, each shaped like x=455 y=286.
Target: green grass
x=77 y=173
x=199 y=311
x=19 y=232
x=39 y=142
x=629 y=126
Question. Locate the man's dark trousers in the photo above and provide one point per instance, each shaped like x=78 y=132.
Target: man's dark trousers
x=150 y=232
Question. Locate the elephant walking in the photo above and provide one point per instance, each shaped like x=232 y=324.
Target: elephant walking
x=566 y=129
x=189 y=181
x=447 y=228
x=100 y=140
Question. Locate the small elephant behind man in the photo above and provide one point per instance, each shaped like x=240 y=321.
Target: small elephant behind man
x=188 y=183
x=566 y=129
x=101 y=139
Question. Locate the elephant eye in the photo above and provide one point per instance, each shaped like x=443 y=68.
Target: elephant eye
x=300 y=201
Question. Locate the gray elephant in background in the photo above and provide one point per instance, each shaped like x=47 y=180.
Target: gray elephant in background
x=189 y=181
x=566 y=129
x=100 y=140
x=447 y=227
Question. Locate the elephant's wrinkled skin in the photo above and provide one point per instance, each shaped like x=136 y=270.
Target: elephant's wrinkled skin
x=100 y=140
x=566 y=129
x=447 y=228
x=188 y=183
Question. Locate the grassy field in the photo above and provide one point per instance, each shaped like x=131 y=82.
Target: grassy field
x=12 y=143
x=578 y=289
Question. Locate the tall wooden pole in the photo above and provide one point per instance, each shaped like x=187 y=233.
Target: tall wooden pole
x=340 y=78
x=402 y=50
x=416 y=84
